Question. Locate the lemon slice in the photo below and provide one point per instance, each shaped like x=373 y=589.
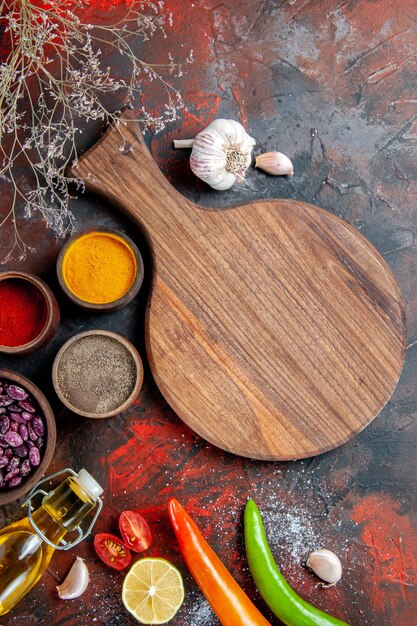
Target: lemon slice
x=153 y=591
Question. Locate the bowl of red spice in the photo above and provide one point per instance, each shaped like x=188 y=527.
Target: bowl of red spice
x=27 y=435
x=100 y=270
x=29 y=313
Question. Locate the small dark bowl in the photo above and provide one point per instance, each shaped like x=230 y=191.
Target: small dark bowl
x=115 y=304
x=138 y=375
x=52 y=319
x=11 y=495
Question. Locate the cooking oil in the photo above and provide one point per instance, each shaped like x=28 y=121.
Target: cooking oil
x=24 y=555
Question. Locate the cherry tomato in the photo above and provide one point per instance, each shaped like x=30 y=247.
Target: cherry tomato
x=112 y=551
x=135 y=531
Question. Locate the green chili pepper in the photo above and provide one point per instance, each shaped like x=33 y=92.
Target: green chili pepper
x=283 y=601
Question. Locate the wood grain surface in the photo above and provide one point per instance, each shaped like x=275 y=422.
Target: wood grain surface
x=274 y=329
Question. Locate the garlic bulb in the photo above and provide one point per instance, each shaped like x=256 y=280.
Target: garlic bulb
x=76 y=581
x=221 y=153
x=326 y=565
x=275 y=163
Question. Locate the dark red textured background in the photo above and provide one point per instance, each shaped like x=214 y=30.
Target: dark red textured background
x=332 y=84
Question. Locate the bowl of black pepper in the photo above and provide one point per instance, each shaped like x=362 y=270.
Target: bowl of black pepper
x=97 y=374
x=27 y=435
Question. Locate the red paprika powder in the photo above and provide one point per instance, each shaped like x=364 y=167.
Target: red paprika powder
x=23 y=312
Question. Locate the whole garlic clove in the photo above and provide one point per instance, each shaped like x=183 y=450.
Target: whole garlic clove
x=275 y=163
x=76 y=581
x=221 y=153
x=326 y=565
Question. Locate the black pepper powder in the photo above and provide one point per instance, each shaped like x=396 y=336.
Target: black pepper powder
x=97 y=374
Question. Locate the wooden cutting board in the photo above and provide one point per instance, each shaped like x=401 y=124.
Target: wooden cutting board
x=274 y=329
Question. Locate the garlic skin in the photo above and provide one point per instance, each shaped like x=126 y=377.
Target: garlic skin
x=275 y=163
x=221 y=153
x=326 y=565
x=76 y=581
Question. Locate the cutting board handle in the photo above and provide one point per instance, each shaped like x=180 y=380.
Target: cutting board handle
x=120 y=168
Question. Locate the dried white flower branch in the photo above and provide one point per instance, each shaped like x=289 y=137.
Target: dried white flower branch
x=52 y=82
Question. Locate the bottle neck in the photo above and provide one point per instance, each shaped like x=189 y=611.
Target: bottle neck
x=63 y=510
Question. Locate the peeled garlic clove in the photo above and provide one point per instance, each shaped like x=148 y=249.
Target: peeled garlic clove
x=326 y=565
x=221 y=153
x=76 y=581
x=275 y=163
x=183 y=143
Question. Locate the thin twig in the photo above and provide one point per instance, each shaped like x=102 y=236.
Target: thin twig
x=54 y=69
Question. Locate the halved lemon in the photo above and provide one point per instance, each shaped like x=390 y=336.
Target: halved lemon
x=153 y=590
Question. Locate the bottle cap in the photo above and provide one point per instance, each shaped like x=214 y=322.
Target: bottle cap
x=89 y=484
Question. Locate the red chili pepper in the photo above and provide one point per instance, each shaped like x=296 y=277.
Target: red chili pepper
x=227 y=599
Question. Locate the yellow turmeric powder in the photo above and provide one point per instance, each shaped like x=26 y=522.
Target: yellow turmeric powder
x=99 y=267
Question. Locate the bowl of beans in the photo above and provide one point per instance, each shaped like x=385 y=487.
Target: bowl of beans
x=27 y=435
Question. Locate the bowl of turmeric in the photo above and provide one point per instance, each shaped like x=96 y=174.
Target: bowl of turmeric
x=100 y=270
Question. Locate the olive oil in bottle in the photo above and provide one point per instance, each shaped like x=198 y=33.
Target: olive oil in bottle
x=24 y=555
